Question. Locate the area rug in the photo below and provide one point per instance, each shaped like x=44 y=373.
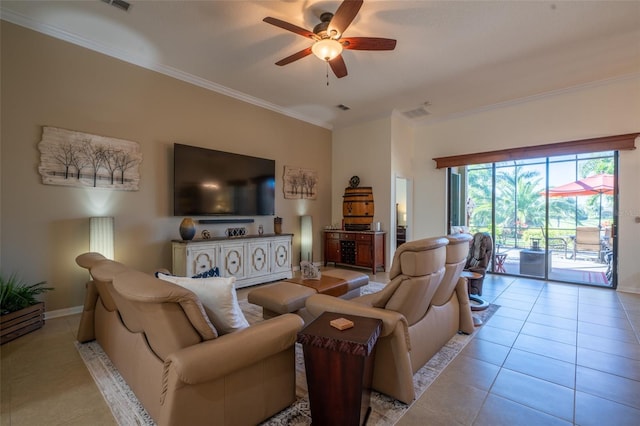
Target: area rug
x=384 y=410
x=595 y=278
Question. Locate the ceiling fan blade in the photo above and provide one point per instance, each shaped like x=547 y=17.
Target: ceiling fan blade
x=301 y=54
x=343 y=17
x=338 y=66
x=368 y=43
x=290 y=27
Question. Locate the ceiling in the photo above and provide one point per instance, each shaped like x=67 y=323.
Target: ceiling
x=452 y=57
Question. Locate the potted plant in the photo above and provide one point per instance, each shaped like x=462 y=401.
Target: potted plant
x=20 y=311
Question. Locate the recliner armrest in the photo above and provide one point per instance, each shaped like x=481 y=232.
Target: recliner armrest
x=216 y=358
x=466 y=319
x=319 y=303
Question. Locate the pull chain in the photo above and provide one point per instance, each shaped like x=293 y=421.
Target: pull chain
x=327 y=72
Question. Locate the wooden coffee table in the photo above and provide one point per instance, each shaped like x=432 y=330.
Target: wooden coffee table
x=331 y=286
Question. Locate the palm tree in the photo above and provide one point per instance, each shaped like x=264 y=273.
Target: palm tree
x=593 y=167
x=596 y=166
x=480 y=188
x=563 y=209
x=518 y=202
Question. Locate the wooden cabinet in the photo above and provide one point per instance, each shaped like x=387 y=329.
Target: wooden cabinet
x=281 y=255
x=252 y=259
x=364 y=251
x=332 y=247
x=233 y=259
x=357 y=248
x=259 y=259
x=202 y=259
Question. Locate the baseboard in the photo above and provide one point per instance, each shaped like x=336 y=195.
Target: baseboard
x=628 y=290
x=63 y=312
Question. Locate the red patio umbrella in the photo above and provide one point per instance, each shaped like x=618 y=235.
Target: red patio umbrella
x=591 y=185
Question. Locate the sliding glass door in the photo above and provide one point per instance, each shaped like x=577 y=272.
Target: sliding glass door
x=550 y=218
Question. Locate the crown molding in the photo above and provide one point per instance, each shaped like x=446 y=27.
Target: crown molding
x=527 y=99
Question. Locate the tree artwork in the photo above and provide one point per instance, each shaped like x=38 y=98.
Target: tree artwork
x=72 y=158
x=300 y=183
x=64 y=156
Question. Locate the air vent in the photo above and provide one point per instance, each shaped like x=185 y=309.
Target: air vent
x=120 y=4
x=416 y=113
x=343 y=107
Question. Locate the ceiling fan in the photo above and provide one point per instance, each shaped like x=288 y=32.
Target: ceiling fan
x=328 y=41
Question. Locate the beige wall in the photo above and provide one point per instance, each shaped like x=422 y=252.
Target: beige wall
x=48 y=82
x=364 y=150
x=402 y=136
x=604 y=109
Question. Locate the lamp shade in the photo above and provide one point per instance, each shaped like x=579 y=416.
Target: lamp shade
x=101 y=236
x=327 y=49
x=306 y=238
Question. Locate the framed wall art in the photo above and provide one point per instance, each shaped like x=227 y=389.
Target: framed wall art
x=300 y=183
x=72 y=158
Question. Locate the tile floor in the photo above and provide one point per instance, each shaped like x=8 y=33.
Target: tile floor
x=552 y=354
x=44 y=381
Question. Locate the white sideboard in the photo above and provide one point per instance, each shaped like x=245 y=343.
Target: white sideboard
x=252 y=259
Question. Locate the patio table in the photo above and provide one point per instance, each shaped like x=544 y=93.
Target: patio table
x=532 y=262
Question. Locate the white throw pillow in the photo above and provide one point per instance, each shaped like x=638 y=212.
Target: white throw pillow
x=218 y=296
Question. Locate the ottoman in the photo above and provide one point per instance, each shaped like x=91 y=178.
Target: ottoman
x=279 y=298
x=289 y=296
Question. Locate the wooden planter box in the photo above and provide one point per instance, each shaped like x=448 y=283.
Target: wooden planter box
x=21 y=322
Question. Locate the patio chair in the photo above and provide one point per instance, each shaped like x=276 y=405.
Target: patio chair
x=555 y=243
x=607 y=252
x=587 y=240
x=607 y=240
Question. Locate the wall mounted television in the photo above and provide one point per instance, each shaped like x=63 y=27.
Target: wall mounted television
x=213 y=183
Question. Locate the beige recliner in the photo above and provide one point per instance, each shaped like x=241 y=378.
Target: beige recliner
x=424 y=304
x=161 y=341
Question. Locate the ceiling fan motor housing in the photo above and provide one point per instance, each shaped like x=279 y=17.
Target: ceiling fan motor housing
x=323 y=26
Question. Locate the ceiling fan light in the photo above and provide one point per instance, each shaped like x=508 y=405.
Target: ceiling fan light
x=327 y=49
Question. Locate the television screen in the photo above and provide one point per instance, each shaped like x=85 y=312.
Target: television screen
x=209 y=182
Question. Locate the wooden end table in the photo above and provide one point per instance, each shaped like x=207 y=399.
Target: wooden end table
x=339 y=368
